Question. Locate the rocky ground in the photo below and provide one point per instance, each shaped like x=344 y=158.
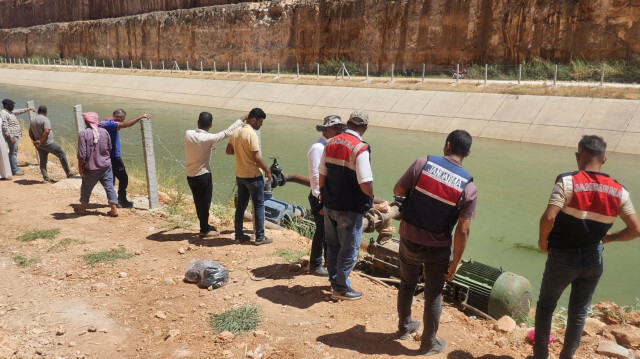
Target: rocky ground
x=62 y=307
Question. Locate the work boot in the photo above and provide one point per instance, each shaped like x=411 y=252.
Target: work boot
x=125 y=204
x=348 y=295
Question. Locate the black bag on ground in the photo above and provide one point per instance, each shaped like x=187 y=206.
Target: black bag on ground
x=207 y=273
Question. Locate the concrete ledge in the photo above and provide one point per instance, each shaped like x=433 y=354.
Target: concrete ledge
x=559 y=121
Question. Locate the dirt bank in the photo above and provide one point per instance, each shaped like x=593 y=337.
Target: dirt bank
x=62 y=307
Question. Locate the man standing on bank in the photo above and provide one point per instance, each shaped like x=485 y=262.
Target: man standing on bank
x=439 y=193
x=12 y=131
x=113 y=126
x=244 y=144
x=42 y=138
x=198 y=145
x=331 y=127
x=346 y=187
x=582 y=208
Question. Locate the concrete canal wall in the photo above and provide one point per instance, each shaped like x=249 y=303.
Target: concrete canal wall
x=559 y=121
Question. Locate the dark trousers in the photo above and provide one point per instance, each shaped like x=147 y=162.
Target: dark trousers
x=318 y=244
x=54 y=149
x=201 y=189
x=436 y=263
x=120 y=173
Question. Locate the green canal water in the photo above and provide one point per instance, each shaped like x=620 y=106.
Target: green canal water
x=514 y=180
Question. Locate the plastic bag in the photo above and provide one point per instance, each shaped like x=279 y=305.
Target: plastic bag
x=207 y=273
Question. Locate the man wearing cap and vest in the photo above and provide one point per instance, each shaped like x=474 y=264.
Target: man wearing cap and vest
x=582 y=208
x=440 y=193
x=331 y=127
x=346 y=187
x=12 y=131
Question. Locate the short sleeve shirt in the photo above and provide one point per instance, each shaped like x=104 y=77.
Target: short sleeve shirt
x=39 y=124
x=467 y=206
x=112 y=128
x=245 y=142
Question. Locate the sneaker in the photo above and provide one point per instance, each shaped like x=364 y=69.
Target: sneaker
x=348 y=295
x=48 y=179
x=411 y=328
x=18 y=173
x=243 y=238
x=125 y=204
x=264 y=240
x=320 y=272
x=439 y=347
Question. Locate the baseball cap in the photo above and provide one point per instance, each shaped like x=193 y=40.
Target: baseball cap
x=359 y=117
x=6 y=101
x=329 y=121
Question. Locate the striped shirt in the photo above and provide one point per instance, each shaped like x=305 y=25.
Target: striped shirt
x=10 y=125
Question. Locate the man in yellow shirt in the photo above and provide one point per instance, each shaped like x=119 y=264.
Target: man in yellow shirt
x=245 y=146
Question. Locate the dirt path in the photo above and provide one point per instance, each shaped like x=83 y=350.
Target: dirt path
x=61 y=307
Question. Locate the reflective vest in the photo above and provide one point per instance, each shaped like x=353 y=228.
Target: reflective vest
x=592 y=204
x=341 y=189
x=434 y=202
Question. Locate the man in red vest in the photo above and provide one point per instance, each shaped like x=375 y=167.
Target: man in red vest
x=582 y=208
x=439 y=193
x=346 y=187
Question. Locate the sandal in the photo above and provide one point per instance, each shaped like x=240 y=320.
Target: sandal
x=112 y=214
x=77 y=211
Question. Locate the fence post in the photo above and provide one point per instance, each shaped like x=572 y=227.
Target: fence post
x=214 y=68
x=457 y=72
x=162 y=65
x=131 y=65
x=73 y=63
x=298 y=70
x=519 y=73
x=228 y=69
x=602 y=76
x=201 y=66
x=392 y=70
x=318 y=70
x=486 y=72
x=260 y=68
x=278 y=76
x=555 y=74
x=94 y=63
x=187 y=66
x=149 y=163
x=32 y=116
x=111 y=63
x=424 y=68
x=245 y=68
x=150 y=65
x=140 y=64
x=121 y=64
x=77 y=114
x=367 y=72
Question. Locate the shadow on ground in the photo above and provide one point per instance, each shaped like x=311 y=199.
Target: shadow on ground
x=363 y=342
x=461 y=354
x=275 y=271
x=297 y=296
x=192 y=237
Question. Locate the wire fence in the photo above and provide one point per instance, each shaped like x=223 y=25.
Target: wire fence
x=618 y=72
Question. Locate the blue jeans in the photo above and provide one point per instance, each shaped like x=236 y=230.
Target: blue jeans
x=253 y=187
x=342 y=232
x=581 y=268
x=91 y=178
x=13 y=153
x=435 y=260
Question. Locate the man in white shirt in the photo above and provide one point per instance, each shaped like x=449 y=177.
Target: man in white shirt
x=331 y=127
x=198 y=145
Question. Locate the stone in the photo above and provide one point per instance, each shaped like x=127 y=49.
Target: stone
x=7 y=345
x=72 y=344
x=181 y=250
x=137 y=252
x=96 y=287
x=123 y=274
x=168 y=281
x=259 y=333
x=92 y=329
x=60 y=330
x=506 y=324
x=304 y=261
x=227 y=353
x=172 y=334
x=612 y=350
x=224 y=337
x=633 y=318
x=627 y=335
x=593 y=326
x=161 y=315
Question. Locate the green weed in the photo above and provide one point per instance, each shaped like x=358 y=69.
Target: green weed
x=24 y=261
x=224 y=212
x=521 y=317
x=241 y=320
x=289 y=255
x=36 y=234
x=107 y=256
x=63 y=244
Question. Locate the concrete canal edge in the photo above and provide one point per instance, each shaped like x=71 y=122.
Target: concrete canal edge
x=559 y=121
